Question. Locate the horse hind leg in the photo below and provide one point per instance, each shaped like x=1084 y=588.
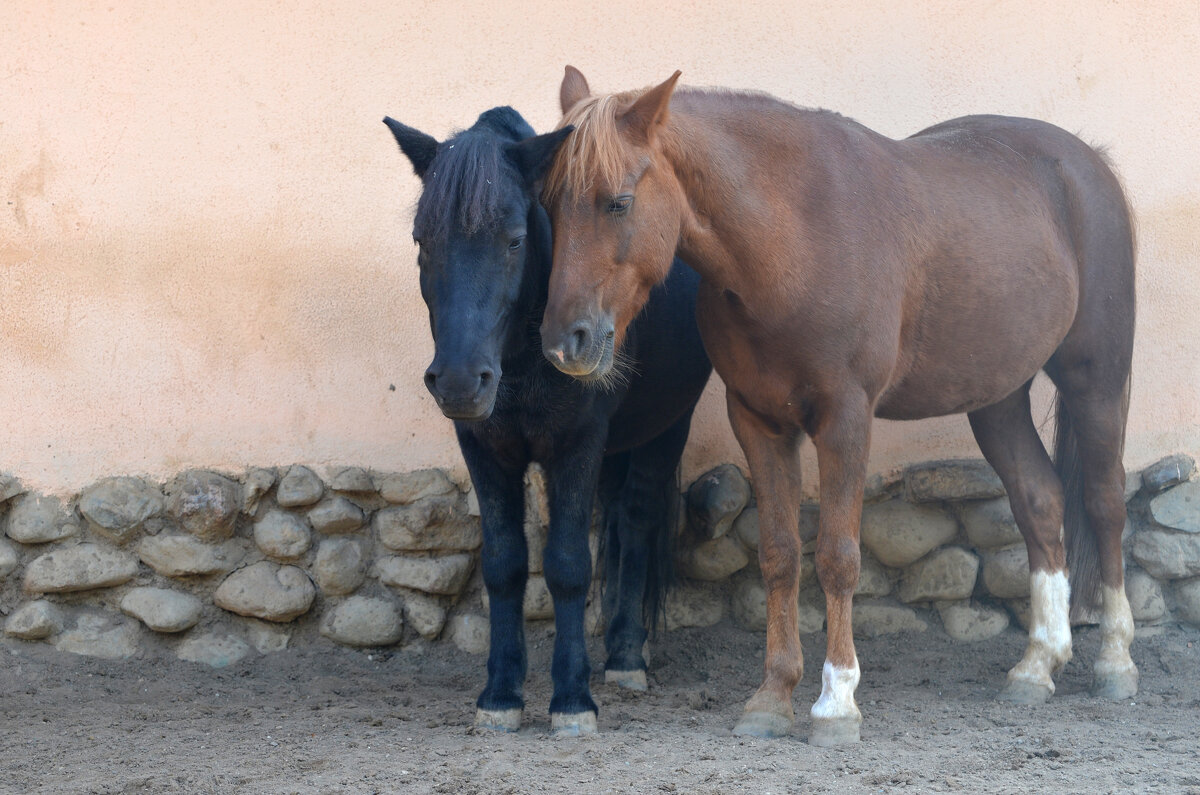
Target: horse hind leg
x=1009 y=441
x=1095 y=427
x=1091 y=369
x=645 y=532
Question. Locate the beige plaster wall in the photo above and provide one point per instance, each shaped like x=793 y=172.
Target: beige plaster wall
x=204 y=238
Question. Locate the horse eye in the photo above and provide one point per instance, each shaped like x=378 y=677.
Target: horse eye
x=516 y=243
x=620 y=205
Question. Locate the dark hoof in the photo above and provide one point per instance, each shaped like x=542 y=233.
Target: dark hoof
x=500 y=720
x=1022 y=691
x=830 y=732
x=630 y=680
x=575 y=724
x=763 y=724
x=1116 y=686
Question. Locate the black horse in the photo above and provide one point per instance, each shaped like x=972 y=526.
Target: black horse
x=485 y=255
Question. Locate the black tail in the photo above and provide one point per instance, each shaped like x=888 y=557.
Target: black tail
x=662 y=512
x=660 y=568
x=1083 y=554
x=1083 y=551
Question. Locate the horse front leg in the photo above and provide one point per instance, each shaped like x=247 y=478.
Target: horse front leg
x=505 y=563
x=773 y=456
x=567 y=562
x=842 y=440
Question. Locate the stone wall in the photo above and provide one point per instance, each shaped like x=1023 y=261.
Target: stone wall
x=214 y=567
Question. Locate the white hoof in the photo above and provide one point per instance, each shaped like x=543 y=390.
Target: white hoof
x=501 y=720
x=630 y=680
x=575 y=724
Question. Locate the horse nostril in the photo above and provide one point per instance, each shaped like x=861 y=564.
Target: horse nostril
x=580 y=341
x=430 y=381
x=485 y=377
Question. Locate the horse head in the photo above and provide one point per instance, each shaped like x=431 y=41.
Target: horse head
x=617 y=210
x=483 y=242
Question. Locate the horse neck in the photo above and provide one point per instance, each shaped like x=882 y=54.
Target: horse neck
x=715 y=155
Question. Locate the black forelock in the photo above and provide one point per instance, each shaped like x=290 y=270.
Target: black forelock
x=464 y=182
x=507 y=121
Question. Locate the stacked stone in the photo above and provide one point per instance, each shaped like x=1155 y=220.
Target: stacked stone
x=1167 y=544
x=215 y=566
x=212 y=567
x=939 y=538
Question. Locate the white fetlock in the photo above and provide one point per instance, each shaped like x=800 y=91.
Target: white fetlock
x=835 y=716
x=1049 y=648
x=1116 y=676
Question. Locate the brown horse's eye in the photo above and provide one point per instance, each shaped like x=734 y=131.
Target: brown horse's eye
x=620 y=205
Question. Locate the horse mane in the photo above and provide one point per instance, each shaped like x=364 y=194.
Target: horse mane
x=593 y=149
x=463 y=183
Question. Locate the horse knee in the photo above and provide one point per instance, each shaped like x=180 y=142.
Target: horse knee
x=505 y=568
x=838 y=563
x=780 y=565
x=568 y=569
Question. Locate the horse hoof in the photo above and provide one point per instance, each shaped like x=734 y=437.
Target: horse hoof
x=499 y=720
x=573 y=724
x=763 y=724
x=630 y=680
x=830 y=732
x=1116 y=686
x=1022 y=691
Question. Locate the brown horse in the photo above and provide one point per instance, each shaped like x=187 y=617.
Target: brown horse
x=848 y=276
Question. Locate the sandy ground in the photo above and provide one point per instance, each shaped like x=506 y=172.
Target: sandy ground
x=334 y=720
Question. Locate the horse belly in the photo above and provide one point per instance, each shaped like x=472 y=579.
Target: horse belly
x=972 y=370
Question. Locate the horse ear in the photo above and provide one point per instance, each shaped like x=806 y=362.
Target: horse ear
x=533 y=155
x=650 y=109
x=574 y=88
x=419 y=147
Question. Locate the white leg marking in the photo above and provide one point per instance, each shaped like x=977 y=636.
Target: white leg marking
x=837 y=692
x=1116 y=633
x=1049 y=630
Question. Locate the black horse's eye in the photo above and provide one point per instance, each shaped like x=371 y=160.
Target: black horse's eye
x=516 y=243
x=619 y=205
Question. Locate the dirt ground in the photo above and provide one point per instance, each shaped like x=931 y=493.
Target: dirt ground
x=334 y=720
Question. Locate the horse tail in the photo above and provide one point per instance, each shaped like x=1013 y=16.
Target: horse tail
x=660 y=567
x=605 y=521
x=661 y=511
x=1083 y=552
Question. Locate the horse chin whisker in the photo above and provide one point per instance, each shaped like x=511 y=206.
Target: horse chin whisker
x=619 y=374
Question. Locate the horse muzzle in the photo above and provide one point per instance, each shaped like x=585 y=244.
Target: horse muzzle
x=467 y=394
x=585 y=350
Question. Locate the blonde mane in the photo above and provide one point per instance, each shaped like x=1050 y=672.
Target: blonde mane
x=594 y=150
